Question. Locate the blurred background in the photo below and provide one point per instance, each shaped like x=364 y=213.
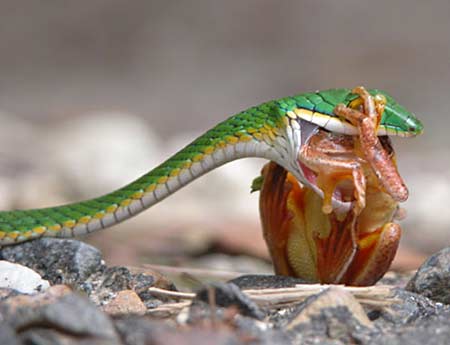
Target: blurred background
x=94 y=95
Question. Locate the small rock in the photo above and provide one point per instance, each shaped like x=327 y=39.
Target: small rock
x=21 y=278
x=125 y=302
x=263 y=281
x=116 y=279
x=260 y=332
x=333 y=314
x=69 y=314
x=410 y=307
x=136 y=330
x=143 y=331
x=61 y=261
x=15 y=302
x=103 y=285
x=432 y=279
x=45 y=336
x=142 y=281
x=228 y=295
x=432 y=330
x=7 y=335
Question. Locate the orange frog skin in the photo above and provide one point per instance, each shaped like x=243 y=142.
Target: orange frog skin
x=355 y=247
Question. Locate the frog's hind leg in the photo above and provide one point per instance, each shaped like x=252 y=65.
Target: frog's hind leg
x=376 y=250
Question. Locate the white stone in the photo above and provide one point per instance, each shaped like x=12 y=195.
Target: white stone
x=21 y=278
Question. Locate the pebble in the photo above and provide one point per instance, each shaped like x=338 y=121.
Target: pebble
x=57 y=314
x=432 y=279
x=334 y=314
x=7 y=335
x=265 y=281
x=21 y=278
x=103 y=286
x=431 y=330
x=60 y=261
x=409 y=308
x=125 y=302
x=229 y=295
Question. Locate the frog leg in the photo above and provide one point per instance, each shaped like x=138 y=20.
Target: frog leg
x=376 y=250
x=330 y=171
x=372 y=149
x=276 y=218
x=302 y=240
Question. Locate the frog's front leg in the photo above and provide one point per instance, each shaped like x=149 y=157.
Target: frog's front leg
x=367 y=122
x=333 y=168
x=329 y=157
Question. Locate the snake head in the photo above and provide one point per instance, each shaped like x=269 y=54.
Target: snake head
x=396 y=120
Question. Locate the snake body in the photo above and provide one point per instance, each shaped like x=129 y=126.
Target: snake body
x=273 y=130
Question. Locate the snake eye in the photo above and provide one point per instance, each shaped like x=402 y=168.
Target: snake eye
x=356 y=104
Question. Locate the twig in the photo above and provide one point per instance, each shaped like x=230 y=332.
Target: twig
x=274 y=298
x=169 y=308
x=170 y=293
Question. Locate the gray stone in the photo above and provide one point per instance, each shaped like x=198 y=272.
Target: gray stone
x=432 y=279
x=70 y=314
x=410 y=307
x=227 y=295
x=78 y=316
x=260 y=332
x=7 y=335
x=333 y=315
x=265 y=281
x=44 y=336
x=105 y=284
x=21 y=278
x=61 y=261
x=433 y=330
x=138 y=330
x=142 y=331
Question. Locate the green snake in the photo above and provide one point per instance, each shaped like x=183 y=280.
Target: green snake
x=275 y=130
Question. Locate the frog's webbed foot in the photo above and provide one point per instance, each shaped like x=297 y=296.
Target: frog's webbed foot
x=367 y=121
